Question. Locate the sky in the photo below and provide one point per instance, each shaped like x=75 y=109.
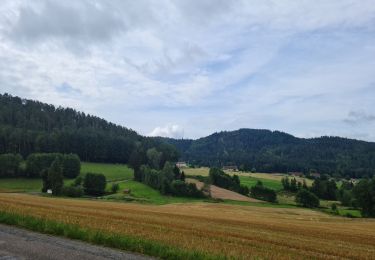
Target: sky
x=186 y=69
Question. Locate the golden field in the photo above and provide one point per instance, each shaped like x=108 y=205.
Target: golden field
x=229 y=230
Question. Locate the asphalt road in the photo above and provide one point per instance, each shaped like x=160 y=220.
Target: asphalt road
x=18 y=244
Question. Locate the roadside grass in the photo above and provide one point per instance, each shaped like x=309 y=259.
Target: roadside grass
x=99 y=237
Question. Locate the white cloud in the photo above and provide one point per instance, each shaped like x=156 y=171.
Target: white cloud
x=172 y=131
x=209 y=65
x=359 y=117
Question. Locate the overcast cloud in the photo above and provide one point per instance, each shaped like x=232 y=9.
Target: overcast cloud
x=190 y=68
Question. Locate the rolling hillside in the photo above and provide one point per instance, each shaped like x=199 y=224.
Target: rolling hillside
x=28 y=126
x=268 y=151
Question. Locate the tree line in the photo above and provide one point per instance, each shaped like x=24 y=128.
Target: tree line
x=11 y=165
x=153 y=168
x=169 y=181
x=28 y=126
x=53 y=168
x=359 y=196
x=267 y=151
x=261 y=192
x=219 y=178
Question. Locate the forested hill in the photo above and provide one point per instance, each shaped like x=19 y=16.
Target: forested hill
x=28 y=126
x=268 y=151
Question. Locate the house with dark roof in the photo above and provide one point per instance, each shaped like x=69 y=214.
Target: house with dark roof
x=233 y=168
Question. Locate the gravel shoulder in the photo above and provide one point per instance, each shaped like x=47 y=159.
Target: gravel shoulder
x=16 y=243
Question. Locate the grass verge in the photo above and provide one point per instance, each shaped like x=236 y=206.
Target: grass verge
x=97 y=237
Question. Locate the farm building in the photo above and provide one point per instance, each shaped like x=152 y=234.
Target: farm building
x=296 y=174
x=181 y=164
x=315 y=175
x=230 y=168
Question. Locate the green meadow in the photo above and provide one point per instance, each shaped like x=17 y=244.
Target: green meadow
x=252 y=181
x=113 y=172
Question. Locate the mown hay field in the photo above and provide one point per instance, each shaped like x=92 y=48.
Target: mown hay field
x=229 y=230
x=270 y=180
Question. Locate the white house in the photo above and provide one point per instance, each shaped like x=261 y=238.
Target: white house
x=181 y=164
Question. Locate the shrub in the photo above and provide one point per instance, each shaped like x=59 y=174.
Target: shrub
x=115 y=187
x=72 y=191
x=244 y=190
x=183 y=189
x=334 y=209
x=77 y=181
x=263 y=193
x=71 y=166
x=10 y=165
x=94 y=184
x=307 y=199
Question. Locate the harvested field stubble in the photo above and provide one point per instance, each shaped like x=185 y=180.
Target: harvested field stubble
x=228 y=230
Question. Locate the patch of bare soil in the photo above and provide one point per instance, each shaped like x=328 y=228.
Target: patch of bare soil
x=220 y=193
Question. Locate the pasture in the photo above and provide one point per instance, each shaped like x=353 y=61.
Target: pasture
x=113 y=172
x=240 y=232
x=141 y=193
x=20 y=185
x=252 y=181
x=269 y=180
